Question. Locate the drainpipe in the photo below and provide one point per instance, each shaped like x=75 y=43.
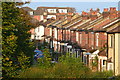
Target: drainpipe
x=44 y=37
x=62 y=40
x=57 y=39
x=107 y=52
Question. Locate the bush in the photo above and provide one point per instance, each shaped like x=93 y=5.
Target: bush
x=67 y=67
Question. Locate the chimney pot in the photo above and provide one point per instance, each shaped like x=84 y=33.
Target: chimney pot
x=105 y=9
x=112 y=8
x=91 y=9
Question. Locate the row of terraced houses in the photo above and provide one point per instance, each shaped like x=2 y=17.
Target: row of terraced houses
x=90 y=35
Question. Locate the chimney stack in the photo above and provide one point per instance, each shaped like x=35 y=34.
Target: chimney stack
x=105 y=12
x=69 y=16
x=112 y=8
x=98 y=10
x=105 y=9
x=113 y=12
x=93 y=15
x=85 y=15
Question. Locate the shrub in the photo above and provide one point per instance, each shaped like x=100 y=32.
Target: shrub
x=67 y=67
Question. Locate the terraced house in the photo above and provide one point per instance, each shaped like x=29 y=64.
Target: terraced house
x=93 y=36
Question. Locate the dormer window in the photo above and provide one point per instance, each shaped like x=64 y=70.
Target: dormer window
x=51 y=10
x=62 y=10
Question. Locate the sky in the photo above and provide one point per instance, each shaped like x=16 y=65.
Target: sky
x=79 y=6
x=72 y=0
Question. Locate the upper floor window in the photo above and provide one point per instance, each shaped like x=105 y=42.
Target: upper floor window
x=104 y=62
x=31 y=12
x=111 y=41
x=62 y=10
x=51 y=10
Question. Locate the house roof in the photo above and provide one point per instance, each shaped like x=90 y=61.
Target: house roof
x=108 y=26
x=115 y=30
x=102 y=53
x=55 y=7
x=27 y=9
x=46 y=22
x=73 y=21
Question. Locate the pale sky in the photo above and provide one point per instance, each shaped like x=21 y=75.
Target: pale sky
x=79 y=6
x=72 y=0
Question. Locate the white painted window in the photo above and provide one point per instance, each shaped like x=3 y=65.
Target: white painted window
x=76 y=36
x=41 y=17
x=92 y=38
x=62 y=10
x=104 y=62
x=80 y=38
x=50 y=31
x=55 y=33
x=51 y=10
x=31 y=12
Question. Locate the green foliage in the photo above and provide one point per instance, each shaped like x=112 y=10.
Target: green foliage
x=104 y=74
x=67 y=67
x=95 y=63
x=17 y=50
x=46 y=60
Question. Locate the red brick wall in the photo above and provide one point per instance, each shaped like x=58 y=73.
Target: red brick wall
x=73 y=36
x=47 y=31
x=67 y=35
x=83 y=39
x=59 y=34
x=102 y=39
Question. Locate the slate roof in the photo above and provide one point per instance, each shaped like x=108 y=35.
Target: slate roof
x=46 y=22
x=102 y=53
x=27 y=9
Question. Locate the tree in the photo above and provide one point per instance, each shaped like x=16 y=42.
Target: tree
x=17 y=50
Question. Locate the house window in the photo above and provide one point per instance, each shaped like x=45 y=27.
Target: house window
x=104 y=62
x=62 y=11
x=111 y=41
x=31 y=12
x=51 y=10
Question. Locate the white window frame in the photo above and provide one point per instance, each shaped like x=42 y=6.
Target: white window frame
x=80 y=38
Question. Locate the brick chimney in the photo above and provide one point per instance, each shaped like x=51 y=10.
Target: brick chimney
x=91 y=10
x=85 y=15
x=105 y=12
x=69 y=16
x=119 y=14
x=105 y=9
x=93 y=15
x=112 y=8
x=97 y=10
x=113 y=12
